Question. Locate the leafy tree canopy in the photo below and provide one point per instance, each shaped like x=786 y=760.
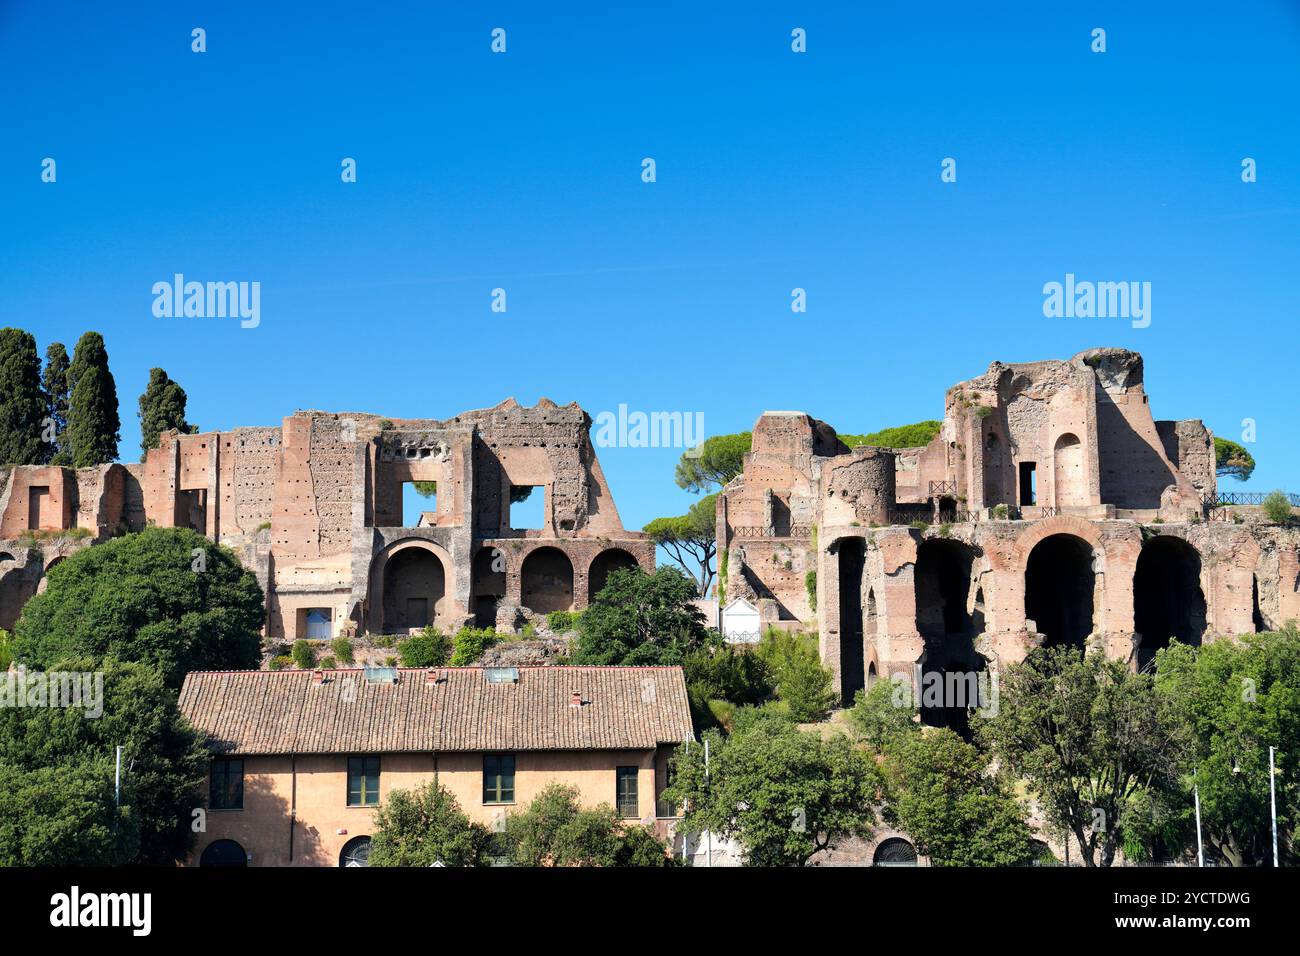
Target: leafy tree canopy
x=425 y=826
x=165 y=596
x=784 y=794
x=884 y=715
x=22 y=403
x=942 y=794
x=690 y=539
x=93 y=422
x=1084 y=732
x=555 y=830
x=162 y=408
x=1231 y=459
x=802 y=683
x=68 y=754
x=640 y=618
x=715 y=462
x=1227 y=701
x=916 y=435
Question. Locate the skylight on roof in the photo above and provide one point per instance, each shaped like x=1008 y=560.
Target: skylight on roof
x=502 y=675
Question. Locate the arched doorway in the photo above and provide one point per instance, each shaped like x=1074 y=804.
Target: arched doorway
x=356 y=852
x=489 y=584
x=942 y=583
x=223 y=853
x=851 y=557
x=1067 y=472
x=1059 y=585
x=894 y=852
x=613 y=559
x=1167 y=598
x=414 y=584
x=547 y=579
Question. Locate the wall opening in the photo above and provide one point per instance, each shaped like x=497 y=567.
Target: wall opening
x=606 y=562
x=1167 y=598
x=852 y=560
x=192 y=509
x=316 y=623
x=414 y=587
x=38 y=508
x=527 y=507
x=489 y=584
x=942 y=583
x=1256 y=612
x=547 y=579
x=1059 y=585
x=894 y=852
x=418 y=499
x=1028 y=483
x=1067 y=472
x=223 y=853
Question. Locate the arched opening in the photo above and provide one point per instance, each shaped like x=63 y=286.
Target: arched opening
x=6 y=556
x=415 y=585
x=1067 y=472
x=950 y=672
x=1059 y=584
x=489 y=584
x=851 y=557
x=871 y=624
x=356 y=852
x=1256 y=612
x=871 y=675
x=614 y=559
x=547 y=579
x=1167 y=598
x=894 y=852
x=223 y=853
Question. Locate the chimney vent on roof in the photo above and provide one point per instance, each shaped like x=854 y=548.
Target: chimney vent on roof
x=433 y=676
x=317 y=677
x=576 y=701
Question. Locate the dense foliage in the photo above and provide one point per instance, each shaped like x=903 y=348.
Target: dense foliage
x=93 y=422
x=424 y=827
x=162 y=408
x=690 y=540
x=165 y=596
x=715 y=462
x=640 y=618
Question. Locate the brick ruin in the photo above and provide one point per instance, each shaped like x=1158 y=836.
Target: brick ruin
x=1051 y=508
x=315 y=509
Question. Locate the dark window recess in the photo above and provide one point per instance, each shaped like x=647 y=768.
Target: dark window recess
x=626 y=795
x=363 y=781
x=498 y=778
x=226 y=791
x=1028 y=484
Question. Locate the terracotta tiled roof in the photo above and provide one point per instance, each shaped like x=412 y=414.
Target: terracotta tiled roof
x=280 y=712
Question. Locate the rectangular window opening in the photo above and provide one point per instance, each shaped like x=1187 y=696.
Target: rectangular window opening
x=1028 y=484
x=626 y=793
x=363 y=781
x=498 y=778
x=226 y=791
x=419 y=499
x=527 y=507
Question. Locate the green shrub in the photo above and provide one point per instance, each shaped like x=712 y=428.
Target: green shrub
x=810 y=585
x=1001 y=512
x=1277 y=507
x=328 y=663
x=390 y=661
x=561 y=621
x=470 y=643
x=281 y=662
x=6 y=652
x=902 y=436
x=802 y=683
x=429 y=648
x=342 y=649
x=304 y=655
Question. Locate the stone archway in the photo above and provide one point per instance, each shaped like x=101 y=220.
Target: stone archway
x=942 y=581
x=546 y=579
x=223 y=853
x=408 y=586
x=609 y=560
x=1060 y=585
x=1168 y=601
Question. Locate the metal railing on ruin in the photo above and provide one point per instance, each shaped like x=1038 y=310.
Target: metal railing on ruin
x=1225 y=498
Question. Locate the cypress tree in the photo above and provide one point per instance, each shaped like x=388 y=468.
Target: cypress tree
x=22 y=406
x=54 y=382
x=93 y=422
x=162 y=407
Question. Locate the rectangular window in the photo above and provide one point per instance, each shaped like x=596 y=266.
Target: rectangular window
x=1028 y=484
x=626 y=795
x=363 y=781
x=226 y=791
x=498 y=778
x=419 y=498
x=527 y=507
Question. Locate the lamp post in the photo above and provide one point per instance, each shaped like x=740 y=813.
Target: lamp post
x=1200 y=849
x=1272 y=798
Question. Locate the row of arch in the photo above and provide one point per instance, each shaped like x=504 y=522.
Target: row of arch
x=409 y=582
x=229 y=853
x=1060 y=574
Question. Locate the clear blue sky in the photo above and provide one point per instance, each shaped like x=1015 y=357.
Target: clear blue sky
x=775 y=170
